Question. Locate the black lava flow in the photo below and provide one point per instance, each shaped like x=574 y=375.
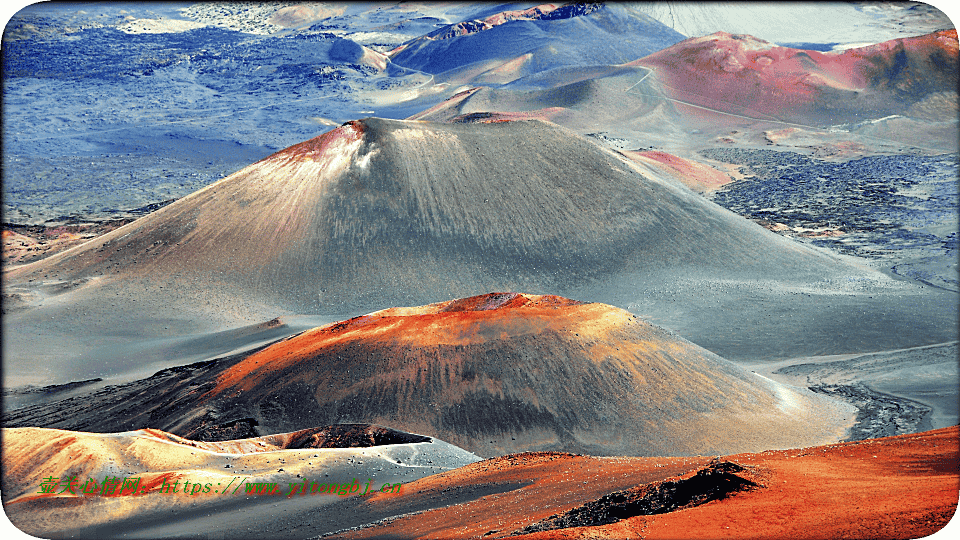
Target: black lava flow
x=882 y=204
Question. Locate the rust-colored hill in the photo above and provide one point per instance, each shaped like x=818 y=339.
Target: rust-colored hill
x=493 y=374
x=740 y=74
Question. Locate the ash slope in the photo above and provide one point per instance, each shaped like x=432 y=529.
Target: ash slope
x=382 y=212
x=493 y=374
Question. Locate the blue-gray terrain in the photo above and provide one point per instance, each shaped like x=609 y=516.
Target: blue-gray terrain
x=210 y=209
x=104 y=113
x=98 y=121
x=899 y=210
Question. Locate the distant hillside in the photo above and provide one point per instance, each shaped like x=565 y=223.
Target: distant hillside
x=817 y=25
x=566 y=36
x=744 y=75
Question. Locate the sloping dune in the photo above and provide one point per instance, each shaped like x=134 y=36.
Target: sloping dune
x=210 y=477
x=494 y=374
x=740 y=74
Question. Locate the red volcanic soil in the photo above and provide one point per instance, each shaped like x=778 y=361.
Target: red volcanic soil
x=897 y=487
x=696 y=176
x=745 y=75
x=463 y=321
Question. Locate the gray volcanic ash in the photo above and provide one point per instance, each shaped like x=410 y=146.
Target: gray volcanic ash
x=494 y=374
x=391 y=212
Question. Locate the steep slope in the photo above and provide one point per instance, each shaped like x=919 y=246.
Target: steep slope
x=494 y=374
x=381 y=212
x=744 y=75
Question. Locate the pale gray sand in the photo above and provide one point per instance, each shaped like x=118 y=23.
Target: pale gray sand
x=915 y=378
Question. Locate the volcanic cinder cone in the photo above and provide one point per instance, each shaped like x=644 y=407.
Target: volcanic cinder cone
x=388 y=212
x=494 y=374
x=518 y=43
x=502 y=373
x=380 y=213
x=741 y=74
